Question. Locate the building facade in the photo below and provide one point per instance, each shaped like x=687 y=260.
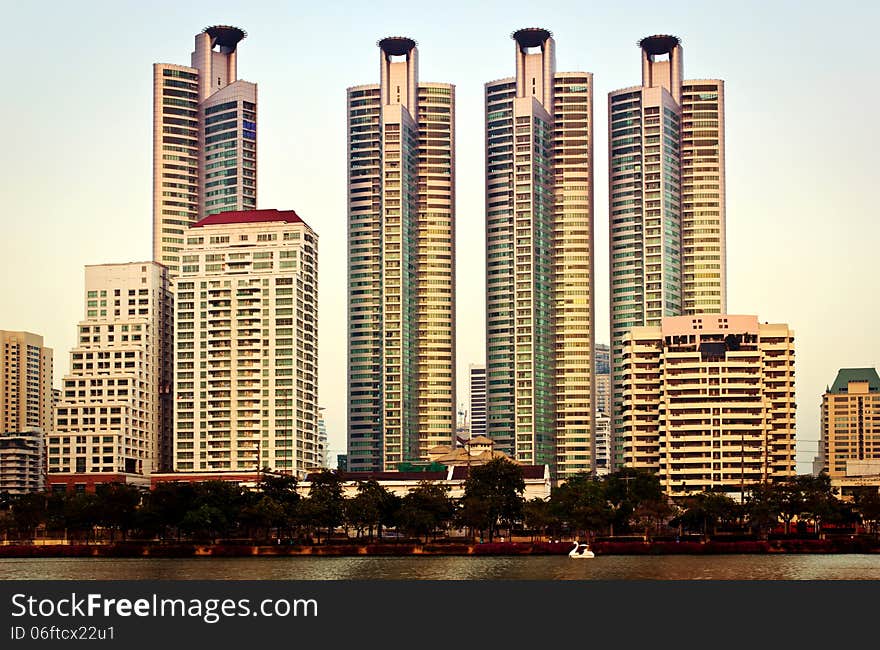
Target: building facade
x=477 y=376
x=204 y=140
x=603 y=379
x=25 y=382
x=401 y=270
x=22 y=462
x=246 y=346
x=850 y=431
x=666 y=200
x=114 y=416
x=539 y=260
x=709 y=402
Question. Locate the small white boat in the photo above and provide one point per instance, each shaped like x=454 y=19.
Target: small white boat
x=581 y=551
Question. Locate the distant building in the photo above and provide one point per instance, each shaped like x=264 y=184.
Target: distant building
x=476 y=450
x=322 y=439
x=113 y=423
x=603 y=443
x=204 y=140
x=246 y=345
x=22 y=462
x=709 y=402
x=850 y=434
x=535 y=477
x=342 y=462
x=25 y=382
x=478 y=399
x=603 y=379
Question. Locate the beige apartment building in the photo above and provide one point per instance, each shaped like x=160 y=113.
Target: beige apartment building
x=246 y=345
x=850 y=433
x=25 y=383
x=709 y=402
x=666 y=200
x=204 y=140
x=539 y=260
x=113 y=421
x=401 y=269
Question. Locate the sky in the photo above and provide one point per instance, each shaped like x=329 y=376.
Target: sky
x=803 y=226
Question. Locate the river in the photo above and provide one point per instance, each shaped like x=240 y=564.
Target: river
x=618 y=567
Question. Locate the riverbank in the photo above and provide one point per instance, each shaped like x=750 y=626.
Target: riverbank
x=715 y=547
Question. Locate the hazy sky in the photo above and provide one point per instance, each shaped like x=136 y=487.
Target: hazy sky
x=803 y=225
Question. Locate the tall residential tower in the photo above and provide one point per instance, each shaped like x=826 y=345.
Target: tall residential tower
x=25 y=383
x=246 y=328
x=666 y=200
x=539 y=260
x=401 y=269
x=204 y=140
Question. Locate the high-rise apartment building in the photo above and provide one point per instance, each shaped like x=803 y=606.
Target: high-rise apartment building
x=113 y=422
x=850 y=432
x=401 y=269
x=666 y=199
x=25 y=383
x=204 y=140
x=539 y=260
x=246 y=346
x=477 y=400
x=709 y=401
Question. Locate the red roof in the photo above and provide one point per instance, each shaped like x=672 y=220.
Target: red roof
x=249 y=216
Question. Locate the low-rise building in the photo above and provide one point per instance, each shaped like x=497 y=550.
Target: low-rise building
x=22 y=462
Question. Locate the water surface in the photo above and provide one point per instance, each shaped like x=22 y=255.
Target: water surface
x=618 y=567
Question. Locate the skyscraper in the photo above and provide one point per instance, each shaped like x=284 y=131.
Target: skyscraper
x=246 y=327
x=401 y=270
x=25 y=383
x=113 y=422
x=539 y=260
x=204 y=140
x=666 y=200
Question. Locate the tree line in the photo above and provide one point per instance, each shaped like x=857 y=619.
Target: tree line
x=626 y=502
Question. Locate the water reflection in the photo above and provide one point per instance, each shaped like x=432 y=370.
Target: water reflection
x=669 y=567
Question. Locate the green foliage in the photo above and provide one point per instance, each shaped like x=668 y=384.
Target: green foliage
x=426 y=509
x=493 y=496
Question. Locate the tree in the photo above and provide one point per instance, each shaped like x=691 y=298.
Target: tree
x=372 y=508
x=762 y=507
x=494 y=494
x=28 y=512
x=117 y=507
x=426 y=509
x=581 y=502
x=705 y=511
x=629 y=488
x=325 y=504
x=867 y=504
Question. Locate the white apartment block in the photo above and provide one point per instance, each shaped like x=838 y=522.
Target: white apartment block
x=114 y=415
x=709 y=401
x=22 y=462
x=246 y=350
